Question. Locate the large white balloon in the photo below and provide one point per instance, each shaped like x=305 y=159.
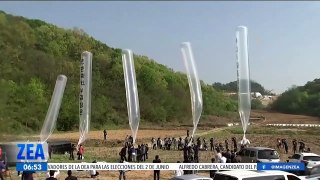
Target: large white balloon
x=131 y=92
x=85 y=95
x=243 y=74
x=194 y=84
x=54 y=107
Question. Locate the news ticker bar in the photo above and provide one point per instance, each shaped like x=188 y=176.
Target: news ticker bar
x=158 y=166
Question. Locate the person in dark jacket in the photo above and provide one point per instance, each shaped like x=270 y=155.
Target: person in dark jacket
x=72 y=149
x=228 y=156
x=213 y=172
x=122 y=173
x=185 y=152
x=196 y=153
x=139 y=153
x=2 y=169
x=226 y=143
x=187 y=171
x=50 y=150
x=27 y=175
x=156 y=173
x=294 y=146
x=70 y=177
x=211 y=144
x=51 y=176
x=301 y=146
x=123 y=153
x=105 y=135
x=285 y=144
x=130 y=151
x=233 y=157
x=235 y=146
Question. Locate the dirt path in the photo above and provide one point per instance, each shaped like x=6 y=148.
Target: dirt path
x=210 y=131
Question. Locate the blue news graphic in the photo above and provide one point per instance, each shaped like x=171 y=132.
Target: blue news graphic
x=15 y=152
x=32 y=152
x=281 y=166
x=37 y=166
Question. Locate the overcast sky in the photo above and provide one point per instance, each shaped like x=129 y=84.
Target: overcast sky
x=283 y=36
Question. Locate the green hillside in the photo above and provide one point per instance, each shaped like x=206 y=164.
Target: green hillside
x=300 y=100
x=34 y=53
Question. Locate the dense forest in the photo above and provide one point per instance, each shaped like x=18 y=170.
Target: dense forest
x=233 y=87
x=34 y=53
x=300 y=100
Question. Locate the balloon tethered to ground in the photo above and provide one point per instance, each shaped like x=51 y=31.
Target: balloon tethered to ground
x=85 y=95
x=54 y=107
x=131 y=92
x=243 y=74
x=194 y=84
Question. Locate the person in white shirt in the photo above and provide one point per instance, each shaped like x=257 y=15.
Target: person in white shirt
x=122 y=175
x=223 y=158
x=134 y=154
x=244 y=142
x=56 y=173
x=94 y=173
x=218 y=156
x=179 y=172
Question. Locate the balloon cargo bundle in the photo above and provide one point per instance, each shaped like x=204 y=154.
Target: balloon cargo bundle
x=60 y=147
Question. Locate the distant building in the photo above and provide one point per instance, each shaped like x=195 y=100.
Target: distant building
x=256 y=95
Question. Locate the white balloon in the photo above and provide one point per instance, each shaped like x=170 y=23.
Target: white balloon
x=131 y=92
x=194 y=84
x=85 y=95
x=54 y=107
x=243 y=73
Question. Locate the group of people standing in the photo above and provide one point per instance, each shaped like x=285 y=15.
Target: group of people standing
x=79 y=149
x=282 y=144
x=224 y=152
x=202 y=144
x=139 y=154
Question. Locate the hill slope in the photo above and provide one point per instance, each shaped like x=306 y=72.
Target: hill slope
x=34 y=53
x=300 y=100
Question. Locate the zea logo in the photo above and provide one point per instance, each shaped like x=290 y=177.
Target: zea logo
x=30 y=152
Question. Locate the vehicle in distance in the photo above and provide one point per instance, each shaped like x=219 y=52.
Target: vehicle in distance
x=255 y=175
x=309 y=159
x=257 y=154
x=191 y=177
x=314 y=173
x=315 y=170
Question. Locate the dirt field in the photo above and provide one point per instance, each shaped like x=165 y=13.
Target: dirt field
x=109 y=153
x=273 y=117
x=121 y=134
x=258 y=135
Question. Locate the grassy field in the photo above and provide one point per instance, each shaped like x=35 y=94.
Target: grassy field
x=258 y=134
x=96 y=150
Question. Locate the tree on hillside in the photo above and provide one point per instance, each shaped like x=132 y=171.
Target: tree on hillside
x=34 y=53
x=300 y=99
x=233 y=87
